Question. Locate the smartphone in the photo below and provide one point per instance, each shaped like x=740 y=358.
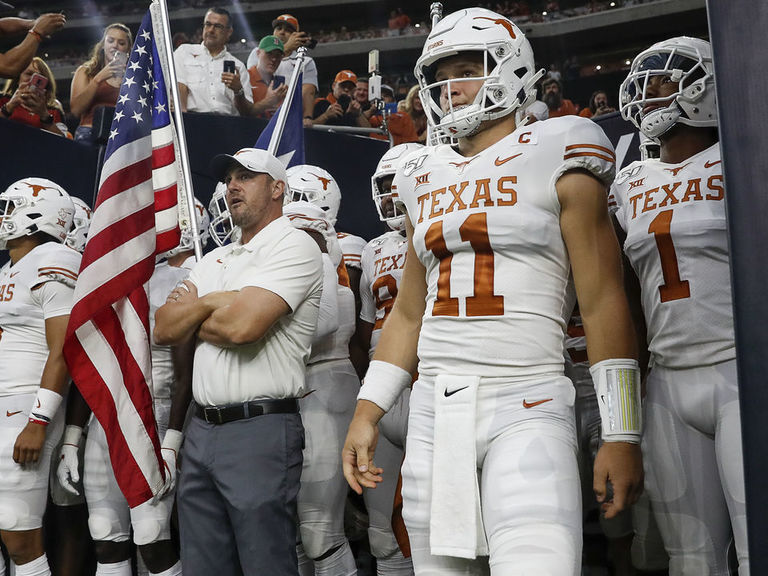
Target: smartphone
x=277 y=81
x=39 y=81
x=229 y=66
x=121 y=58
x=344 y=101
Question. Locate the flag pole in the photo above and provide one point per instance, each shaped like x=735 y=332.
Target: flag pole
x=186 y=172
x=282 y=114
x=436 y=14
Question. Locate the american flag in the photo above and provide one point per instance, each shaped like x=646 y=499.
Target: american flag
x=135 y=217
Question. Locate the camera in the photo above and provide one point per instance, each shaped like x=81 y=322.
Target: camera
x=344 y=101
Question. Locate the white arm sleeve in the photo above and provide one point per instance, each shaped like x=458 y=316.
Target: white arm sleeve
x=328 y=315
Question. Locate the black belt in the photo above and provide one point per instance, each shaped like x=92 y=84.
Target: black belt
x=232 y=412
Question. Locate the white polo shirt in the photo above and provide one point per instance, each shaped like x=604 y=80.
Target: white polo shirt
x=201 y=74
x=282 y=260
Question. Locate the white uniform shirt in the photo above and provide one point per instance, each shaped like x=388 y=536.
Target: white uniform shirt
x=37 y=287
x=677 y=242
x=201 y=74
x=487 y=230
x=282 y=260
x=383 y=261
x=352 y=248
x=164 y=279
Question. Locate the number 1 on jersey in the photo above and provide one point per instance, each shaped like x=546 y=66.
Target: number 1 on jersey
x=484 y=302
x=673 y=288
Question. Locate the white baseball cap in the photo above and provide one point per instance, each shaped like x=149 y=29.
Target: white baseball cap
x=253 y=159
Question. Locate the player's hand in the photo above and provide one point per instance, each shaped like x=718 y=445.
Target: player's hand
x=29 y=444
x=359 y=449
x=67 y=471
x=618 y=466
x=47 y=24
x=170 y=452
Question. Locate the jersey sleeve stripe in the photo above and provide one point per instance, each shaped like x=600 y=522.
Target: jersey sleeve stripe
x=578 y=154
x=53 y=271
x=592 y=146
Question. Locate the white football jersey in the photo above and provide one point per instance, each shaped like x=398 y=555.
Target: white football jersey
x=164 y=279
x=25 y=304
x=336 y=346
x=352 y=248
x=383 y=261
x=677 y=242
x=487 y=230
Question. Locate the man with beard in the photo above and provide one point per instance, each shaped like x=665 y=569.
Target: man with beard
x=252 y=307
x=553 y=98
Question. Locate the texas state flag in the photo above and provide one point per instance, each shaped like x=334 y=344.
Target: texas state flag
x=290 y=150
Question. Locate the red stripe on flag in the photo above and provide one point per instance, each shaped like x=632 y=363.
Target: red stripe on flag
x=118 y=234
x=125 y=178
x=109 y=292
x=168 y=240
x=163 y=156
x=165 y=198
x=134 y=487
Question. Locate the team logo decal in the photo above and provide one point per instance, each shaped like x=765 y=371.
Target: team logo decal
x=506 y=24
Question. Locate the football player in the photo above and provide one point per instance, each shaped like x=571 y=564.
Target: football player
x=383 y=260
x=497 y=223
x=36 y=292
x=673 y=213
x=327 y=411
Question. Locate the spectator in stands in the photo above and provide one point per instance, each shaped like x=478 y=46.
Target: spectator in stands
x=32 y=103
x=180 y=38
x=598 y=105
x=399 y=124
x=205 y=84
x=553 y=98
x=286 y=27
x=415 y=110
x=15 y=60
x=339 y=108
x=268 y=89
x=361 y=95
x=97 y=82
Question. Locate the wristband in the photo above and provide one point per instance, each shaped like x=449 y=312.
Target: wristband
x=617 y=384
x=240 y=92
x=45 y=406
x=36 y=35
x=72 y=435
x=172 y=440
x=383 y=384
x=5 y=111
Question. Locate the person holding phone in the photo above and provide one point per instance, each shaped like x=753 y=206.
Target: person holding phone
x=269 y=89
x=198 y=66
x=31 y=99
x=339 y=108
x=97 y=82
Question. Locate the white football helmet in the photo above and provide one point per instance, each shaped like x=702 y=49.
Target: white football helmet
x=316 y=186
x=221 y=226
x=34 y=205
x=688 y=63
x=510 y=77
x=203 y=223
x=78 y=235
x=391 y=210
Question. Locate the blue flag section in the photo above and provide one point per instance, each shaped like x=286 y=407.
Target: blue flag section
x=290 y=151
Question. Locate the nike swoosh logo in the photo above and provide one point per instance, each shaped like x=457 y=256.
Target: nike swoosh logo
x=532 y=404
x=38 y=403
x=9 y=413
x=499 y=161
x=14 y=274
x=709 y=164
x=447 y=394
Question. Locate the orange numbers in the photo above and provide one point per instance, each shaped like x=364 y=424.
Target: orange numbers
x=673 y=288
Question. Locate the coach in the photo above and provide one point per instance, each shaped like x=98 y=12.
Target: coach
x=252 y=306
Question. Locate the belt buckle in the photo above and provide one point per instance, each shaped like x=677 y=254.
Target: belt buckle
x=212 y=414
